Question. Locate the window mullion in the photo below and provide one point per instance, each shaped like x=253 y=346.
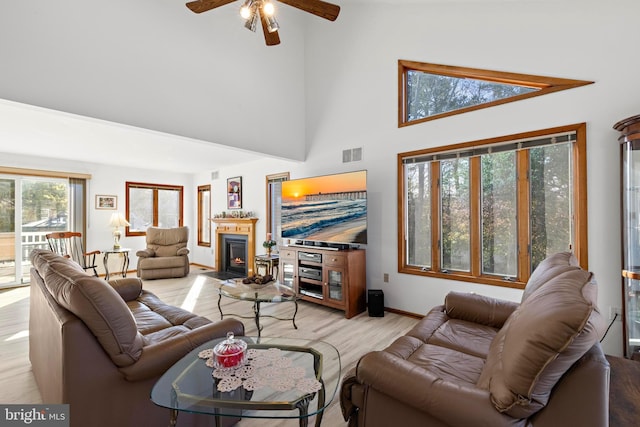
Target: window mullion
x=435 y=216
x=155 y=208
x=475 y=212
x=523 y=203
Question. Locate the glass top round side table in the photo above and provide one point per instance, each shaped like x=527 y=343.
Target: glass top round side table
x=273 y=292
x=190 y=386
x=125 y=260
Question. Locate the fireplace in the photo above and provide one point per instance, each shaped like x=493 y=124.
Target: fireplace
x=234 y=254
x=232 y=257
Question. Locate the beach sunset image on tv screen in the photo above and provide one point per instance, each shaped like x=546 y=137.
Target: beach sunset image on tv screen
x=330 y=208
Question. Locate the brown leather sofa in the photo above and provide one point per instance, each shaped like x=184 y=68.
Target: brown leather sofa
x=166 y=255
x=101 y=346
x=479 y=361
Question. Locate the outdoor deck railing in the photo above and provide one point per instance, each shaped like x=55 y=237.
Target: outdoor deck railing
x=30 y=240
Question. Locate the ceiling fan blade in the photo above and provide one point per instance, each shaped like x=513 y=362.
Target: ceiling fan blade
x=271 y=39
x=317 y=7
x=199 y=6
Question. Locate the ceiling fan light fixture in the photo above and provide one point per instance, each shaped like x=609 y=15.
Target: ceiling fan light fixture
x=272 y=24
x=252 y=22
x=268 y=8
x=253 y=11
x=247 y=10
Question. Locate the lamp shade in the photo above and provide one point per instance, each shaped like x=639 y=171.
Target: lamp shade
x=118 y=220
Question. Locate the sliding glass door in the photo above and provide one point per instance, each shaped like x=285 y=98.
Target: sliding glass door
x=30 y=207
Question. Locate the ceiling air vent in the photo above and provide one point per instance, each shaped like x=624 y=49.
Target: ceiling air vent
x=352 y=155
x=214 y=175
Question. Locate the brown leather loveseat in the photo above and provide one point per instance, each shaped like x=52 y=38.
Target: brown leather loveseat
x=479 y=361
x=101 y=346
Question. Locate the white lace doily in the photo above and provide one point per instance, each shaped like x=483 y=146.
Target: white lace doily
x=263 y=368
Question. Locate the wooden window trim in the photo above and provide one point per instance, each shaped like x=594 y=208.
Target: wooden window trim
x=579 y=201
x=545 y=85
x=202 y=189
x=42 y=173
x=155 y=187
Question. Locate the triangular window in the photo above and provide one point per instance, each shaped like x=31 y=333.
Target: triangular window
x=432 y=91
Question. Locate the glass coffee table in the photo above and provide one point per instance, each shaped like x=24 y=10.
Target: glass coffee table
x=281 y=378
x=273 y=292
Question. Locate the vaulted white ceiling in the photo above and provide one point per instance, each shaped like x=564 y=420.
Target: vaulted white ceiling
x=118 y=81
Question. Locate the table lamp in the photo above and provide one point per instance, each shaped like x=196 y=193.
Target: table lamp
x=117 y=220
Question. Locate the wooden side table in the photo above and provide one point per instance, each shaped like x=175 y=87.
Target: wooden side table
x=266 y=264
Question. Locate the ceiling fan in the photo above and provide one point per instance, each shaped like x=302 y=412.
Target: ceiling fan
x=262 y=10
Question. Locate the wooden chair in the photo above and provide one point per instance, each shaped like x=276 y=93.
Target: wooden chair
x=69 y=244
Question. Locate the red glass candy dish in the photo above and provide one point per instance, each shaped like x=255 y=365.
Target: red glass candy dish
x=230 y=353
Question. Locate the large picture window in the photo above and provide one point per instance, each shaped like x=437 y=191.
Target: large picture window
x=156 y=205
x=490 y=211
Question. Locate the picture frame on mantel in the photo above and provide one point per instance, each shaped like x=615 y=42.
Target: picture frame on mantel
x=106 y=202
x=234 y=193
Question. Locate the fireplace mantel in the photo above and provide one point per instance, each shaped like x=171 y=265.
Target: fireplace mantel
x=240 y=226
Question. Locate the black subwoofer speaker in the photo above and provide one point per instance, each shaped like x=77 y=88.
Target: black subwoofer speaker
x=376 y=303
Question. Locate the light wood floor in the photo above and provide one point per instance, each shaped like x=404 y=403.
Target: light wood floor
x=352 y=337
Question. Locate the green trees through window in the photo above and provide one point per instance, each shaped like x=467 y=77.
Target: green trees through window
x=432 y=94
x=30 y=207
x=490 y=211
x=431 y=91
x=156 y=205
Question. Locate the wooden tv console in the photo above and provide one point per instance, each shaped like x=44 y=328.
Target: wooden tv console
x=333 y=278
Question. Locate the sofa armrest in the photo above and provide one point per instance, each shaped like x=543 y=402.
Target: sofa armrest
x=156 y=358
x=478 y=308
x=183 y=251
x=129 y=288
x=455 y=404
x=146 y=253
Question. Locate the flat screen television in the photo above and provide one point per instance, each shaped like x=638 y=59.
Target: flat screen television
x=329 y=209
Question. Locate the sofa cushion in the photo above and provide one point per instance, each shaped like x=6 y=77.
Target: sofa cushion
x=129 y=288
x=40 y=259
x=152 y=315
x=438 y=328
x=548 y=269
x=478 y=309
x=444 y=363
x=96 y=303
x=464 y=336
x=552 y=328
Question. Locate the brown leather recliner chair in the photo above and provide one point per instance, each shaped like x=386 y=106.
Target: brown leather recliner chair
x=479 y=361
x=101 y=346
x=166 y=255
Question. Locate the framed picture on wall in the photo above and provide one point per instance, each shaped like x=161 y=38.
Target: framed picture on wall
x=234 y=193
x=106 y=202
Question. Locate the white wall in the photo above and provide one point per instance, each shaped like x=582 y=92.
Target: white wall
x=155 y=64
x=352 y=101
